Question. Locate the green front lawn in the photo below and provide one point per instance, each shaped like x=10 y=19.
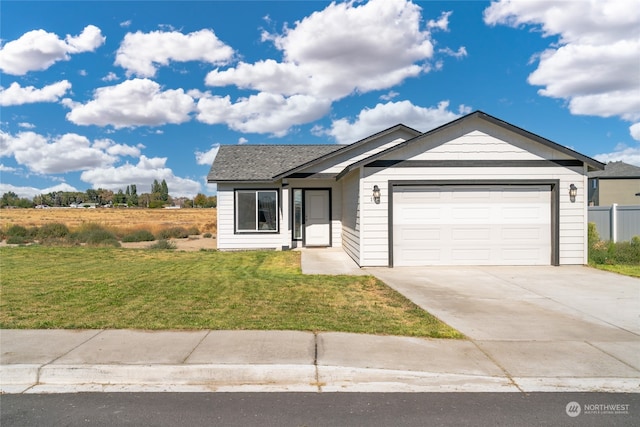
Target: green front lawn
x=83 y=287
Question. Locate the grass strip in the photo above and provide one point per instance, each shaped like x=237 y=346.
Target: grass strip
x=625 y=269
x=90 y=288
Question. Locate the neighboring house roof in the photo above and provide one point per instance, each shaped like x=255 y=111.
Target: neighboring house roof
x=618 y=170
x=262 y=162
x=592 y=163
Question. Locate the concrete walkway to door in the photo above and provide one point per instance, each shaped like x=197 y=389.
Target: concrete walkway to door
x=547 y=328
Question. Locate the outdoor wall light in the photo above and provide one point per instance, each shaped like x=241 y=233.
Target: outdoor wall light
x=376 y=194
x=573 y=192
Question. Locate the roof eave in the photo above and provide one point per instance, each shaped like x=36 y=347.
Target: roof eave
x=347 y=148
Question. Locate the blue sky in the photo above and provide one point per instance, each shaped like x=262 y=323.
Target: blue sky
x=111 y=93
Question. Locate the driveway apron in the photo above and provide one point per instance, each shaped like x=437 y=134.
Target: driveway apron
x=570 y=322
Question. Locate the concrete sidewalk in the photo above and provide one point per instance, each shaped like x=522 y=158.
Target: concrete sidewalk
x=49 y=361
x=53 y=361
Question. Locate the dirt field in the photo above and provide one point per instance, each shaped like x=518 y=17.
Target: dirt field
x=123 y=220
x=153 y=220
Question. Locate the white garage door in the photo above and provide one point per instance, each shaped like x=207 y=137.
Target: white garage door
x=472 y=225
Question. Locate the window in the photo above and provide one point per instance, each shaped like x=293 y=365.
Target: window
x=297 y=214
x=256 y=211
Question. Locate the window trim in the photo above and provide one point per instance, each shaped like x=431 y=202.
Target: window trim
x=256 y=191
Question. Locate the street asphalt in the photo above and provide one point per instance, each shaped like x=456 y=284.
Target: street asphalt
x=528 y=329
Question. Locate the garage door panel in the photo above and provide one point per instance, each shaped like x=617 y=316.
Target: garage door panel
x=519 y=254
x=535 y=233
x=477 y=255
x=473 y=226
x=412 y=214
x=471 y=212
x=412 y=258
x=470 y=193
x=418 y=236
x=468 y=233
x=524 y=213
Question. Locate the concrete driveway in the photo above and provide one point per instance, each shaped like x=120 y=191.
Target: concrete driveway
x=535 y=322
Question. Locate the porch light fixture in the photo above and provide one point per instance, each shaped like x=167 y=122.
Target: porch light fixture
x=573 y=192
x=376 y=194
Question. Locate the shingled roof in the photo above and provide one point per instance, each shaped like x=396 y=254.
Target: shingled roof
x=262 y=162
x=617 y=170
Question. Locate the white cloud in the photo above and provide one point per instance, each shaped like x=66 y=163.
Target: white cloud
x=262 y=113
x=595 y=64
x=38 y=49
x=4 y=168
x=18 y=95
x=126 y=24
x=346 y=48
x=114 y=149
x=136 y=102
x=242 y=141
x=31 y=192
x=460 y=53
x=69 y=152
x=142 y=53
x=634 y=130
x=142 y=175
x=389 y=96
x=26 y=125
x=382 y=116
x=206 y=157
x=623 y=153
x=111 y=76
x=442 y=23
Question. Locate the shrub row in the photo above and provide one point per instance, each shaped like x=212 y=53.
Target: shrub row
x=606 y=252
x=90 y=234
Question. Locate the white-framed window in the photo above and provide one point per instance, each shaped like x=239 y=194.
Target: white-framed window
x=256 y=211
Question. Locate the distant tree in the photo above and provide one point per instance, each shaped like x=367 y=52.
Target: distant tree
x=212 y=201
x=164 y=191
x=119 y=197
x=200 y=200
x=132 y=196
x=12 y=199
x=155 y=187
x=144 y=199
x=8 y=199
x=92 y=195
x=105 y=196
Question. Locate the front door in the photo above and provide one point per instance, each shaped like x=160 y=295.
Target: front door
x=317 y=227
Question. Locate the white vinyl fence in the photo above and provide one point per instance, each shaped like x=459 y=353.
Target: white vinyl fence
x=616 y=223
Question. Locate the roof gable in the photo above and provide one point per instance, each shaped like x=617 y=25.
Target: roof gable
x=478 y=115
x=353 y=149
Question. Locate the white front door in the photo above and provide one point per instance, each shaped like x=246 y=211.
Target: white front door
x=317 y=228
